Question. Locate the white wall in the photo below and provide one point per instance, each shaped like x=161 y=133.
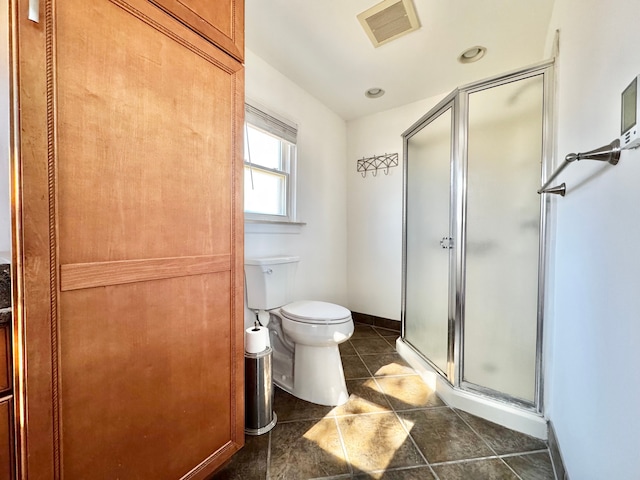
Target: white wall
x=5 y=210
x=375 y=211
x=593 y=379
x=321 y=187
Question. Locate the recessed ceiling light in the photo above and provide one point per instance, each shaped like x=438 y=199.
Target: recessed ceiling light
x=374 y=93
x=472 y=54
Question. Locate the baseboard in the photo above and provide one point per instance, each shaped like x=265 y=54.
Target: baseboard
x=556 y=455
x=374 y=321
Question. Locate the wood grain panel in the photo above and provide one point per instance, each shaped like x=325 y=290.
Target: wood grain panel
x=31 y=228
x=146 y=377
x=221 y=21
x=6 y=439
x=5 y=358
x=100 y=274
x=145 y=147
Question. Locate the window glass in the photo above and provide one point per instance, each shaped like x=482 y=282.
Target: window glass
x=265 y=192
x=269 y=167
x=265 y=149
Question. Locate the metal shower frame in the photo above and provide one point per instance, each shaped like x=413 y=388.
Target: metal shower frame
x=458 y=102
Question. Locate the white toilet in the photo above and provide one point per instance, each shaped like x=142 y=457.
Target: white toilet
x=304 y=335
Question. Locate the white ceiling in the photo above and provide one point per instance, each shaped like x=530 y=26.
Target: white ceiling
x=321 y=46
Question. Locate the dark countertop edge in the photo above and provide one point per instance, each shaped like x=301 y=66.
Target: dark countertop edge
x=5 y=315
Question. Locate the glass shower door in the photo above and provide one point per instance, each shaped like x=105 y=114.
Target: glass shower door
x=505 y=126
x=427 y=238
x=475 y=236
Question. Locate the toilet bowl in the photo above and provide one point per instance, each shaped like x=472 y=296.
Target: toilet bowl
x=315 y=329
x=304 y=335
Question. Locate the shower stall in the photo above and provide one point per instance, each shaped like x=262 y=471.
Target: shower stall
x=475 y=238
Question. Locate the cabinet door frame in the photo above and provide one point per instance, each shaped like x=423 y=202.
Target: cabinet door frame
x=36 y=267
x=231 y=42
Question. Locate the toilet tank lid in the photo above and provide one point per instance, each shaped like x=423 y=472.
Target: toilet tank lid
x=271 y=260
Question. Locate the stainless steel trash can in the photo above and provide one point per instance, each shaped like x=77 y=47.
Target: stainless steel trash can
x=258 y=393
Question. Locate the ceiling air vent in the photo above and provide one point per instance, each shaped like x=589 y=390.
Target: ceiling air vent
x=389 y=20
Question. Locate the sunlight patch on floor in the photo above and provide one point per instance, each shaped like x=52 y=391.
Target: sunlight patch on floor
x=407 y=391
x=373 y=442
x=325 y=434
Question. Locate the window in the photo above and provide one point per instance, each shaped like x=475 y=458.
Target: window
x=269 y=167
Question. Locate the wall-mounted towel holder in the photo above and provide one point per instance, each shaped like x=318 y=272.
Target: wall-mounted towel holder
x=608 y=153
x=373 y=164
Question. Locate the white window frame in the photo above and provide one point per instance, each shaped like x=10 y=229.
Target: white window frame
x=286 y=131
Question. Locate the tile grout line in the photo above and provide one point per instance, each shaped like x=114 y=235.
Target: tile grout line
x=393 y=469
x=344 y=446
x=360 y=356
x=509 y=467
x=486 y=443
x=342 y=476
x=375 y=380
x=404 y=427
x=381 y=412
x=501 y=456
x=373 y=377
x=407 y=410
x=465 y=460
x=383 y=376
x=474 y=431
x=268 y=475
x=386 y=397
x=554 y=467
x=495 y=455
x=415 y=445
x=479 y=459
x=521 y=454
x=383 y=337
x=511 y=455
x=313 y=419
x=365 y=365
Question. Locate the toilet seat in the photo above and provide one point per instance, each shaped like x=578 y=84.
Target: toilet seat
x=307 y=311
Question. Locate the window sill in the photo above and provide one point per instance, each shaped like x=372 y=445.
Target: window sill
x=271 y=226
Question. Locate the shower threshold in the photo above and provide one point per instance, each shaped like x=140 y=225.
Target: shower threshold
x=509 y=416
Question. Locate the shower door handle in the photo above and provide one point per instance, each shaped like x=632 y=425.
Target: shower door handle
x=446 y=242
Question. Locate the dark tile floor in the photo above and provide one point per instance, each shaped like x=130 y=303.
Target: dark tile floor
x=393 y=427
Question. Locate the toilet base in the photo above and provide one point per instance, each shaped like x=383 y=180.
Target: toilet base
x=306 y=359
x=318 y=375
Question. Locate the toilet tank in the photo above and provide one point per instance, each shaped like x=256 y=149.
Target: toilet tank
x=269 y=281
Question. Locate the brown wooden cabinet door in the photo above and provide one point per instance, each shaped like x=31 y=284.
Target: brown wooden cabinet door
x=5 y=359
x=6 y=439
x=221 y=21
x=130 y=244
